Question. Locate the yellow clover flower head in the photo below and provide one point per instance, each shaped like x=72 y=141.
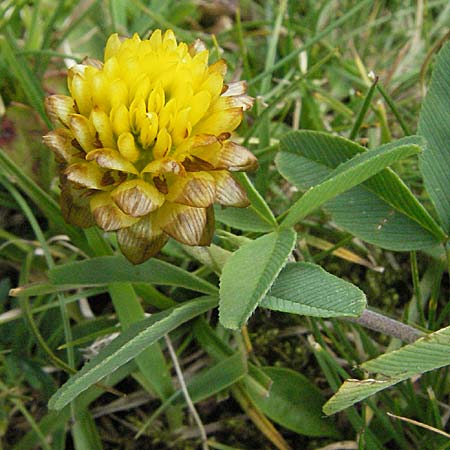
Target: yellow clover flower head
x=143 y=143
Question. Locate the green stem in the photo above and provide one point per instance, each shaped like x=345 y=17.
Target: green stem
x=362 y=112
x=417 y=290
x=391 y=104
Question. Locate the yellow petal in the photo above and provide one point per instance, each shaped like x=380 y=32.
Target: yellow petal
x=137 y=198
x=101 y=88
x=59 y=108
x=127 y=147
x=156 y=99
x=193 y=142
x=219 y=67
x=102 y=125
x=219 y=122
x=111 y=68
x=142 y=240
x=183 y=223
x=163 y=144
x=228 y=191
x=167 y=114
x=199 y=105
x=156 y=39
x=108 y=158
x=87 y=175
x=149 y=130
x=213 y=84
x=107 y=214
x=137 y=114
x=81 y=91
x=169 y=41
x=112 y=46
x=83 y=131
x=120 y=120
x=141 y=88
x=181 y=127
x=118 y=93
x=195 y=189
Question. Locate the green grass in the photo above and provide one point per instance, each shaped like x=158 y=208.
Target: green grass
x=310 y=66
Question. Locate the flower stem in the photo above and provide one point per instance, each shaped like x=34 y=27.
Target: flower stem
x=391 y=327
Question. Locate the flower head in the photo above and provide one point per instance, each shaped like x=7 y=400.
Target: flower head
x=143 y=143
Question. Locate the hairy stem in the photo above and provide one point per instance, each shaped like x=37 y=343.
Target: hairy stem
x=378 y=322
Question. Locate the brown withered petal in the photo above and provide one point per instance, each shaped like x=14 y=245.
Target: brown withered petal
x=228 y=191
x=183 y=223
x=137 y=198
x=236 y=158
x=235 y=88
x=166 y=165
x=83 y=131
x=194 y=164
x=109 y=158
x=142 y=240
x=59 y=108
x=208 y=231
x=92 y=62
x=60 y=142
x=75 y=205
x=85 y=174
x=107 y=214
x=196 y=47
x=194 y=189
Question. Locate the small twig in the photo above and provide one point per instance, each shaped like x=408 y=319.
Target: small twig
x=186 y=395
x=420 y=424
x=377 y=322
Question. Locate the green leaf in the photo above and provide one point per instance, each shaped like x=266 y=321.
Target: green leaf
x=428 y=353
x=215 y=379
x=24 y=75
x=293 y=402
x=349 y=174
x=382 y=211
x=85 y=433
x=258 y=204
x=249 y=273
x=242 y=219
x=434 y=123
x=130 y=343
x=304 y=288
x=113 y=269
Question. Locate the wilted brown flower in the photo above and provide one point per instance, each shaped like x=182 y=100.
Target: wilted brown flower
x=143 y=143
